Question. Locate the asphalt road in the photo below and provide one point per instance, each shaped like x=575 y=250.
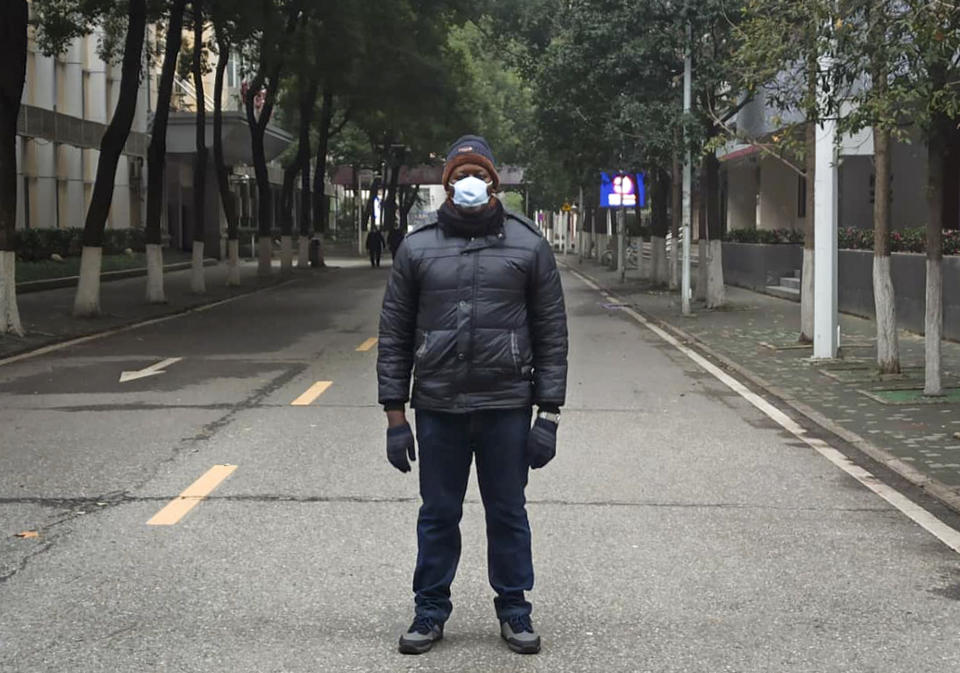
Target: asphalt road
x=679 y=529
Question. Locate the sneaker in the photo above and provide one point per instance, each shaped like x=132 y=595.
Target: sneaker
x=519 y=634
x=421 y=635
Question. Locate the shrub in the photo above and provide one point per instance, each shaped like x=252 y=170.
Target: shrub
x=951 y=242
x=770 y=237
x=851 y=238
x=34 y=245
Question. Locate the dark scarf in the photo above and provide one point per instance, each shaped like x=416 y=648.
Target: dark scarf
x=471 y=225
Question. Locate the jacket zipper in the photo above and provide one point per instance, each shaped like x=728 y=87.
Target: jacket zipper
x=515 y=349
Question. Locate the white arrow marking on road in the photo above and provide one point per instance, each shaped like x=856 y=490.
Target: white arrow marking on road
x=152 y=370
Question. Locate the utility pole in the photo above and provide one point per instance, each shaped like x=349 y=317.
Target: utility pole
x=826 y=323
x=580 y=218
x=687 y=171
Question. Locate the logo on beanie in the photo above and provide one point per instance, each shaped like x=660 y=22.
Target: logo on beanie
x=465 y=148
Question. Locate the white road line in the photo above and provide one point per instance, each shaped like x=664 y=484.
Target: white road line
x=152 y=370
x=946 y=534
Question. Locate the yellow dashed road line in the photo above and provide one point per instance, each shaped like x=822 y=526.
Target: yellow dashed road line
x=313 y=392
x=367 y=345
x=177 y=508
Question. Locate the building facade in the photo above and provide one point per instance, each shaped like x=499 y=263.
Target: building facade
x=68 y=101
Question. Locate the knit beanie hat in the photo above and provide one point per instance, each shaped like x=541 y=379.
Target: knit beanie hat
x=470 y=150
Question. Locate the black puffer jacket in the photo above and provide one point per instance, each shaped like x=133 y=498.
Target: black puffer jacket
x=480 y=321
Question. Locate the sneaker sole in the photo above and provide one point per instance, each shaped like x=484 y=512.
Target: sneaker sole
x=522 y=649
x=416 y=648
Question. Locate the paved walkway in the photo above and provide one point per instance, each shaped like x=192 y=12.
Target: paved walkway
x=759 y=333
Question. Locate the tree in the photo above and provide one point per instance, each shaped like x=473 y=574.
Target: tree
x=13 y=51
x=277 y=22
x=776 y=63
x=931 y=90
x=157 y=154
x=225 y=26
x=197 y=280
x=713 y=26
x=87 y=302
x=58 y=22
x=870 y=42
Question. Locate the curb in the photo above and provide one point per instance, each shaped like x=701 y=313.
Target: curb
x=71 y=281
x=946 y=494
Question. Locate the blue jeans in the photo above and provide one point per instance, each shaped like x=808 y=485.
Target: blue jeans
x=447 y=444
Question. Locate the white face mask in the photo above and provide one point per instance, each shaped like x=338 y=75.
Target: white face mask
x=470 y=192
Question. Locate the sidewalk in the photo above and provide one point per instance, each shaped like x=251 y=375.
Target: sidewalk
x=884 y=416
x=47 y=315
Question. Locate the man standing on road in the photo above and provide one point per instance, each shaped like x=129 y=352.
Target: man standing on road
x=375 y=247
x=475 y=310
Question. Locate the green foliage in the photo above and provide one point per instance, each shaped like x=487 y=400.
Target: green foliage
x=491 y=94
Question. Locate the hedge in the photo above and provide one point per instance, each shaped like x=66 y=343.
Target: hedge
x=852 y=238
x=34 y=245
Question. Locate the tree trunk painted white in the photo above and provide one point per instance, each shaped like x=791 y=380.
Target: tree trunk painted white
x=658 y=254
x=806 y=297
x=700 y=292
x=264 y=255
x=933 y=328
x=888 y=351
x=303 y=252
x=233 y=263
x=198 y=283
x=286 y=254
x=87 y=301
x=9 y=312
x=716 y=290
x=155 y=293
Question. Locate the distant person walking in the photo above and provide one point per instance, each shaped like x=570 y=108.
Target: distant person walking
x=375 y=246
x=394 y=239
x=474 y=310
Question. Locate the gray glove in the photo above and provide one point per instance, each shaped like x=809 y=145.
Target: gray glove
x=400 y=446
